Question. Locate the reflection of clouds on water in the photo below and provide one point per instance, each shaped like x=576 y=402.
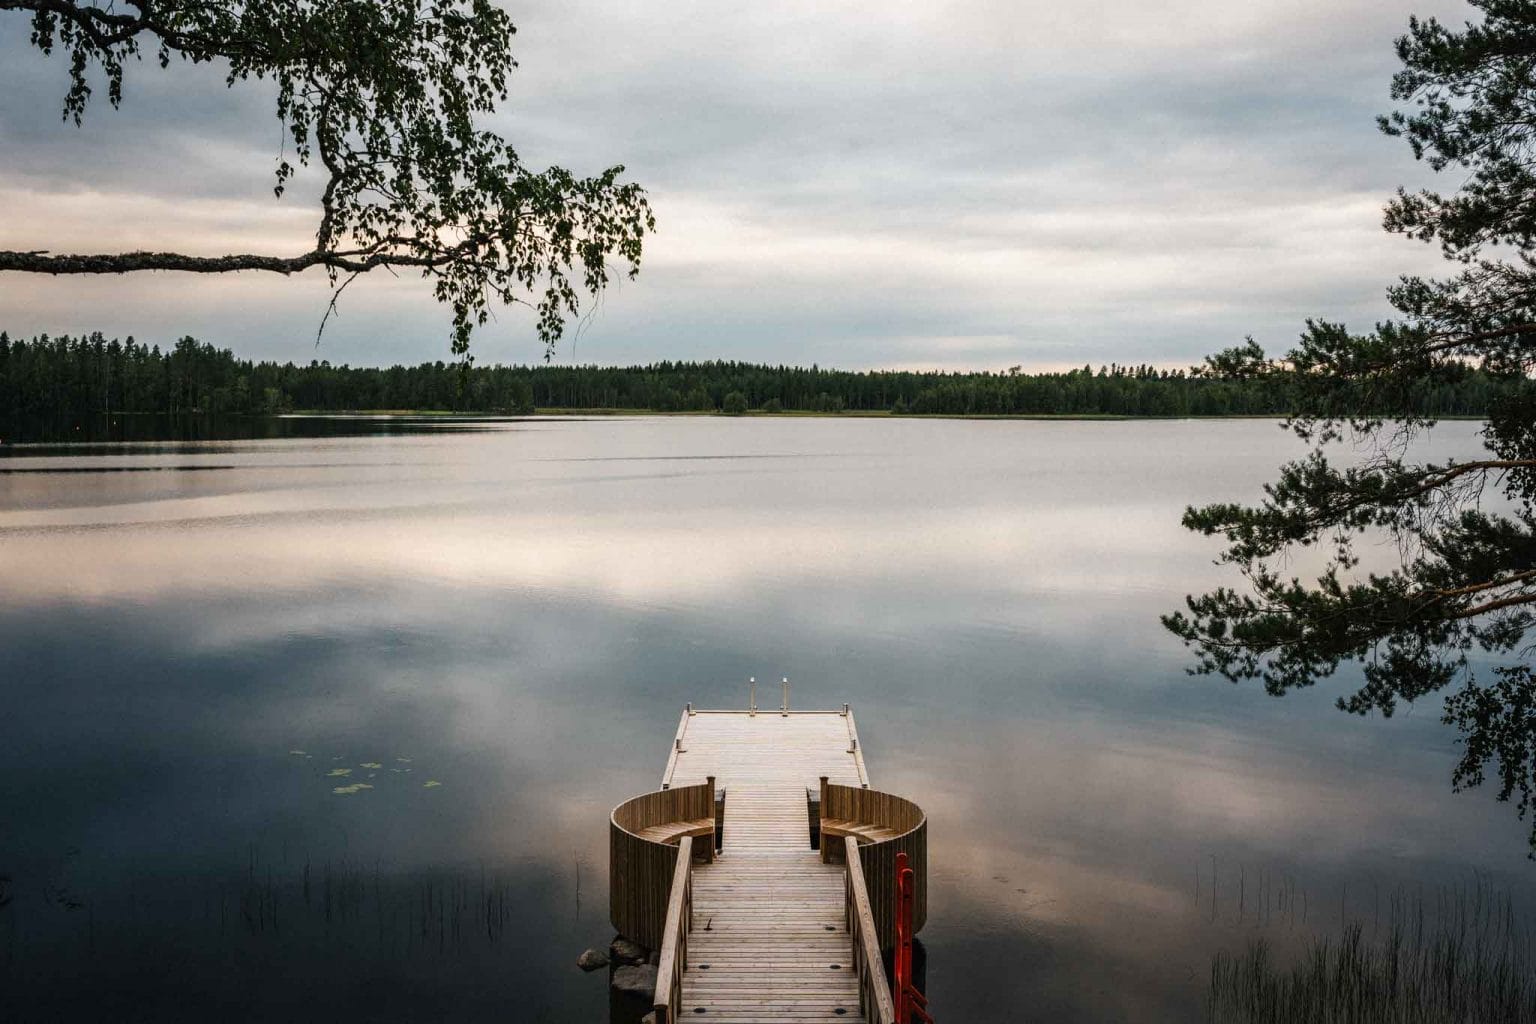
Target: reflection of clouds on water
x=1138 y=857
x=646 y=559
x=1018 y=520
x=472 y=660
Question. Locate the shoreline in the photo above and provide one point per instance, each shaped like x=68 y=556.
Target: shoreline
x=155 y=428
x=558 y=412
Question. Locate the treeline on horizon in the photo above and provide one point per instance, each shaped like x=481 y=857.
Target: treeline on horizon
x=54 y=382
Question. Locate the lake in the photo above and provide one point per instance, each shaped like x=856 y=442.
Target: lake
x=482 y=635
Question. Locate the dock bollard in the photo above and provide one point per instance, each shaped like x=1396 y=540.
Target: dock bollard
x=784 y=711
x=752 y=696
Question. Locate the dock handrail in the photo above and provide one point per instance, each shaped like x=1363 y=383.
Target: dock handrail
x=677 y=747
x=673 y=952
x=874 y=991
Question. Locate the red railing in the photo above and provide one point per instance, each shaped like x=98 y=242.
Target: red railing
x=910 y=1002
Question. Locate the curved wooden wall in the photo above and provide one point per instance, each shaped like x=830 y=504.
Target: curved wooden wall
x=879 y=862
x=879 y=859
x=639 y=870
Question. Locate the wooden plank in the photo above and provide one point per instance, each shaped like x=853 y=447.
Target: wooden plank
x=773 y=933
x=769 y=941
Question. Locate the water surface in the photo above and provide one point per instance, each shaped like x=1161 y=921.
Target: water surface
x=494 y=630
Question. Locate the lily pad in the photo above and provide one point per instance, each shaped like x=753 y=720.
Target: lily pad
x=430 y=784
x=337 y=772
x=355 y=787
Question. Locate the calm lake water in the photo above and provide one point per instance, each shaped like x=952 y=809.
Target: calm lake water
x=494 y=626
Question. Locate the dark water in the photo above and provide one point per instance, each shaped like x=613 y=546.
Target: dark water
x=193 y=638
x=150 y=428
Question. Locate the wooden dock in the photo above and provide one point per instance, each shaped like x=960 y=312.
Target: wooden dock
x=768 y=941
x=769 y=928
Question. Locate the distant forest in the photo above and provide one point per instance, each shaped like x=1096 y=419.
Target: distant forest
x=56 y=382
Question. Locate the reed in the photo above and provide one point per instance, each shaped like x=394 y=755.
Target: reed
x=340 y=899
x=1459 y=957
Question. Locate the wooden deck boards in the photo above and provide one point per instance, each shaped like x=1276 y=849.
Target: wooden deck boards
x=768 y=940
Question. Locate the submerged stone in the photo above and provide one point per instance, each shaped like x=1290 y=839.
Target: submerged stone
x=625 y=952
x=636 y=979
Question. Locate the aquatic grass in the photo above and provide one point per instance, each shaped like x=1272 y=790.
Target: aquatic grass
x=339 y=898
x=1464 y=960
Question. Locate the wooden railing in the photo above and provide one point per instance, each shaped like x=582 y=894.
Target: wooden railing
x=640 y=870
x=874 y=991
x=664 y=805
x=674 y=938
x=907 y=826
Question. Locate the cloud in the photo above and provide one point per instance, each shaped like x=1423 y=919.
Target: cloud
x=1091 y=183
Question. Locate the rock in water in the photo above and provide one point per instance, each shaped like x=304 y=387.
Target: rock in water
x=622 y=951
x=636 y=980
x=591 y=960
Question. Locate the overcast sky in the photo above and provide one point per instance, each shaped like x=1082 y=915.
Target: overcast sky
x=974 y=184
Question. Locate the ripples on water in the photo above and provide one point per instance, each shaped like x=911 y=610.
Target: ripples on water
x=232 y=669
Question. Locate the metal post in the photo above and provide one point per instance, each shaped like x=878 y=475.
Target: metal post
x=752 y=696
x=785 y=709
x=689 y=708
x=845 y=709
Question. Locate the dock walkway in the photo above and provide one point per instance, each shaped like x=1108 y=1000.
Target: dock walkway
x=769 y=942
x=751 y=923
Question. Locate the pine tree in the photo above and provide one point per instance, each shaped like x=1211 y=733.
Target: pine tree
x=1458 y=606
